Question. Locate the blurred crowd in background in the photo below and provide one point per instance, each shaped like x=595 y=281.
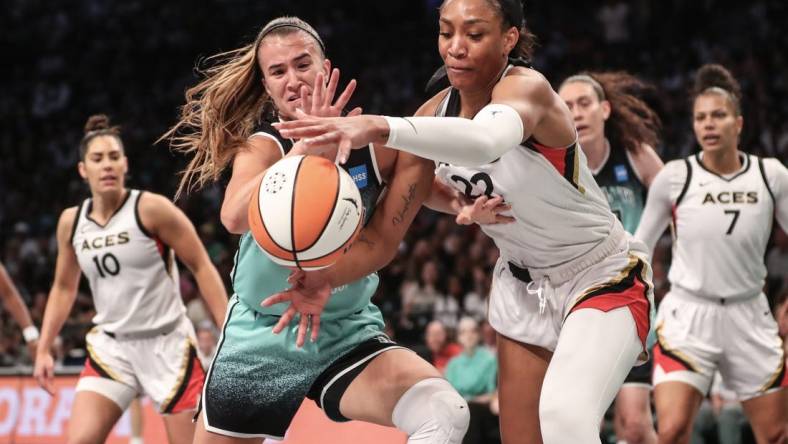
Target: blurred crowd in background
x=133 y=60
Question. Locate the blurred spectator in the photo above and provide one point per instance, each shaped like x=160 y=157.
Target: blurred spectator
x=489 y=337
x=448 y=306
x=207 y=336
x=438 y=350
x=614 y=17
x=475 y=301
x=419 y=297
x=473 y=373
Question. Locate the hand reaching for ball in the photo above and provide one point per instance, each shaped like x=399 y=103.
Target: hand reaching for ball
x=308 y=295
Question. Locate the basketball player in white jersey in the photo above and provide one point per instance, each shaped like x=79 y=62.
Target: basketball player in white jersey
x=571 y=291
x=13 y=302
x=123 y=240
x=617 y=131
x=722 y=203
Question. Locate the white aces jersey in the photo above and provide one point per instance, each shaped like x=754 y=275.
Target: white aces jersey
x=721 y=224
x=560 y=212
x=133 y=276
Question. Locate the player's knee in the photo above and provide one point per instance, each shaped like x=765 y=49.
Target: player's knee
x=635 y=428
x=776 y=434
x=451 y=413
x=431 y=411
x=674 y=430
x=634 y=432
x=564 y=421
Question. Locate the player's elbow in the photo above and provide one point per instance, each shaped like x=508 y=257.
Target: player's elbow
x=234 y=220
x=389 y=251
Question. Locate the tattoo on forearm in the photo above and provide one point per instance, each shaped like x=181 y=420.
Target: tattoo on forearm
x=362 y=238
x=407 y=200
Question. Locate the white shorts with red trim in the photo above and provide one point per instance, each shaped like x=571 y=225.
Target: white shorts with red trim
x=622 y=279
x=697 y=336
x=166 y=368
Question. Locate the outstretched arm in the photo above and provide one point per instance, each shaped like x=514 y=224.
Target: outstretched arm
x=168 y=223
x=519 y=103
x=61 y=299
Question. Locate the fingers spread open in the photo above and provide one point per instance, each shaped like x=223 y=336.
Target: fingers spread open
x=315 y=327
x=303 y=326
x=331 y=89
x=284 y=321
x=318 y=91
x=503 y=219
x=277 y=298
x=344 y=98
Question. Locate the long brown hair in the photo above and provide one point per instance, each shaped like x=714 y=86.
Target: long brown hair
x=223 y=108
x=632 y=123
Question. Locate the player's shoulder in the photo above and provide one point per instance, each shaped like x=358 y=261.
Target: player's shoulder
x=674 y=178
x=676 y=165
x=67 y=222
x=773 y=166
x=522 y=77
x=149 y=198
x=431 y=106
x=69 y=215
x=152 y=207
x=676 y=170
x=775 y=174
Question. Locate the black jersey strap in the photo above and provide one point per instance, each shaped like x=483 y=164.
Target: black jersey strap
x=766 y=180
x=686 y=182
x=76 y=221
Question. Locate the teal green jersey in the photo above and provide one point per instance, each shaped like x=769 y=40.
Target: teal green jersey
x=473 y=374
x=256 y=276
x=625 y=193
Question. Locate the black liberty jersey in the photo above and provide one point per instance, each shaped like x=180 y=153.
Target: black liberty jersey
x=622 y=187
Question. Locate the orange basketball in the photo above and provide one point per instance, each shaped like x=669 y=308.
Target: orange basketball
x=305 y=212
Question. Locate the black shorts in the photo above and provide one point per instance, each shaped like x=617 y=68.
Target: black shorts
x=243 y=410
x=258 y=380
x=641 y=374
x=328 y=388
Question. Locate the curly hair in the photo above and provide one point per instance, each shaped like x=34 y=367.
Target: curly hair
x=632 y=123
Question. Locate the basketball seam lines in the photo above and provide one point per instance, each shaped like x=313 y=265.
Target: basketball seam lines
x=292 y=213
x=328 y=220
